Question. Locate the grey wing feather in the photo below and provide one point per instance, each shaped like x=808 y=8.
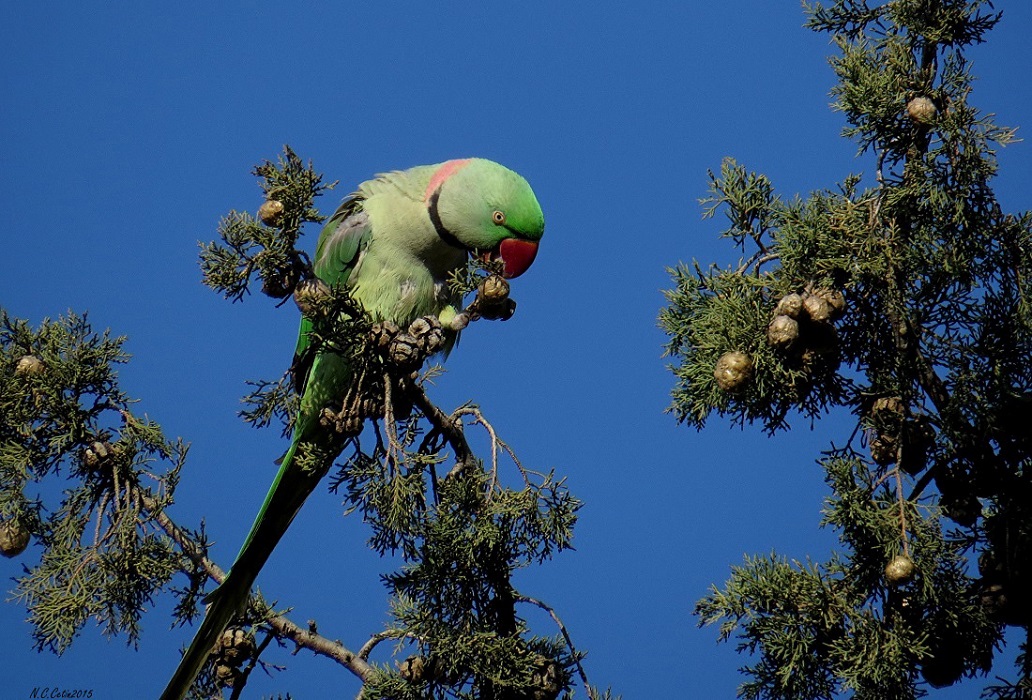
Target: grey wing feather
x=342 y=241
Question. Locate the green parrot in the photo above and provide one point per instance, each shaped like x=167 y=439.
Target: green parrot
x=393 y=243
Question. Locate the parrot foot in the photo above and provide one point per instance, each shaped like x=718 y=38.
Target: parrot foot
x=344 y=422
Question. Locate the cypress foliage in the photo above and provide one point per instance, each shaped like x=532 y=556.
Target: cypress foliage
x=903 y=297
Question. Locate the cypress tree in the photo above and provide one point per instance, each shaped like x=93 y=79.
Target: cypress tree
x=900 y=296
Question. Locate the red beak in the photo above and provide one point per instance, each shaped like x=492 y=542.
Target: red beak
x=517 y=256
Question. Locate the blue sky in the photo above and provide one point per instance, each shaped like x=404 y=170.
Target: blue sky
x=128 y=130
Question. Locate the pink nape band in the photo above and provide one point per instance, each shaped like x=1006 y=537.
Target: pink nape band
x=443 y=173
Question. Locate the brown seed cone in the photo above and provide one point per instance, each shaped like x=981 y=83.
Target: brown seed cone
x=100 y=453
x=420 y=327
x=783 y=332
x=349 y=425
x=271 y=212
x=345 y=423
x=883 y=449
x=327 y=418
x=502 y=311
x=414 y=669
x=547 y=679
x=922 y=109
x=280 y=283
x=429 y=334
x=227 y=676
x=404 y=352
x=235 y=646
x=493 y=290
x=791 y=305
x=420 y=669
x=817 y=309
x=382 y=334
x=818 y=364
x=835 y=300
x=900 y=570
x=14 y=537
x=733 y=370
x=888 y=404
x=28 y=365
x=310 y=294
x=886 y=416
x=433 y=341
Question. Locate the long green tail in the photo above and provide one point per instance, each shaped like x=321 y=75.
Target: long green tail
x=289 y=491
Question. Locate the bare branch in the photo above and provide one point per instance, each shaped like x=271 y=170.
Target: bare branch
x=368 y=647
x=281 y=625
x=562 y=628
x=444 y=423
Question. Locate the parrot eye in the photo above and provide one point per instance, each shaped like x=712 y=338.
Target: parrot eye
x=499 y=218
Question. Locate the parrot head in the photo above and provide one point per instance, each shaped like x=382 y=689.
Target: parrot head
x=487 y=209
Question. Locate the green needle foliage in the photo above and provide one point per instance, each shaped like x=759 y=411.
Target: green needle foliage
x=902 y=297
x=266 y=246
x=78 y=475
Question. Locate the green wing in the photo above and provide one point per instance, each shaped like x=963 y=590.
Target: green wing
x=344 y=238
